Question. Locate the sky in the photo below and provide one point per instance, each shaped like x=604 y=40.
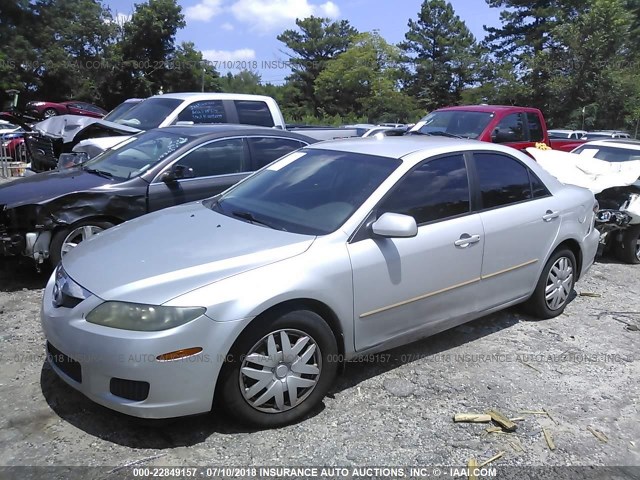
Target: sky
x=235 y=34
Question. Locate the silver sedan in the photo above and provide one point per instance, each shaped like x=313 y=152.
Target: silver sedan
x=255 y=297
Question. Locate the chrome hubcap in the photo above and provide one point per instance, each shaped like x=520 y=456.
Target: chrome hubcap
x=638 y=248
x=559 y=283
x=280 y=371
x=78 y=235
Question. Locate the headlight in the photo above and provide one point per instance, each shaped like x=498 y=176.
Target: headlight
x=142 y=318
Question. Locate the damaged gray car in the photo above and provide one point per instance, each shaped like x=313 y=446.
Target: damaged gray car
x=46 y=215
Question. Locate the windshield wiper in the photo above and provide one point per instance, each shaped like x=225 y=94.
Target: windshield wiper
x=101 y=173
x=249 y=217
x=438 y=134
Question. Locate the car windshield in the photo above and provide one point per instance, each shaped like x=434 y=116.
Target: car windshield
x=117 y=113
x=608 y=154
x=134 y=157
x=149 y=113
x=456 y=123
x=311 y=192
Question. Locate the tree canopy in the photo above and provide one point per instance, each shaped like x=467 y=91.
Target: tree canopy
x=577 y=60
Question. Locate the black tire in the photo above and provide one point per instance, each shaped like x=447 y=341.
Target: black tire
x=229 y=394
x=49 y=112
x=57 y=240
x=626 y=250
x=537 y=304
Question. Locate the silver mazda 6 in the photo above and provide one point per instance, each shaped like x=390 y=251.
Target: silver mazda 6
x=255 y=297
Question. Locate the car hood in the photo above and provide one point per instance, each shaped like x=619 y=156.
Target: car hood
x=160 y=256
x=584 y=171
x=78 y=127
x=43 y=187
x=95 y=146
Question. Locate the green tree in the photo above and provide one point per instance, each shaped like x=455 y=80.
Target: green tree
x=142 y=58
x=188 y=71
x=441 y=53
x=590 y=67
x=526 y=32
x=363 y=81
x=316 y=42
x=245 y=81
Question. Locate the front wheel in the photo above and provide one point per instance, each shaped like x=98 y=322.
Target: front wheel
x=628 y=249
x=65 y=240
x=554 y=286
x=279 y=369
x=49 y=112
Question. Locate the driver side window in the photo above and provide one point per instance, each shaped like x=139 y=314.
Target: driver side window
x=436 y=190
x=510 y=129
x=222 y=157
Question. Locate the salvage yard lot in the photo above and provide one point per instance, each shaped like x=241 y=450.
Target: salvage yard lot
x=395 y=408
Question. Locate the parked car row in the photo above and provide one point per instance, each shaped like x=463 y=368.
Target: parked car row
x=586 y=135
x=246 y=291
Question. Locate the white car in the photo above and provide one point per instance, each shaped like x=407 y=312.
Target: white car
x=189 y=109
x=611 y=170
x=570 y=134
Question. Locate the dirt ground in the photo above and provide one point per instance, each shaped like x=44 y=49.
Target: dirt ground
x=583 y=368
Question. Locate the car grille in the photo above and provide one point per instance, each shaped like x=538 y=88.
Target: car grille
x=67 y=364
x=129 y=389
x=42 y=151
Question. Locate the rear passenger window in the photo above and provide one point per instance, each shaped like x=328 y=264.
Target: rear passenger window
x=537 y=187
x=222 y=157
x=265 y=150
x=205 y=111
x=436 y=190
x=535 y=127
x=503 y=180
x=251 y=112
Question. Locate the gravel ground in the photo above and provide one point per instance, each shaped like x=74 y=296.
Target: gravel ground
x=396 y=409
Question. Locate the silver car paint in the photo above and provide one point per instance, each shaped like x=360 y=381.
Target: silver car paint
x=168 y=258
x=153 y=265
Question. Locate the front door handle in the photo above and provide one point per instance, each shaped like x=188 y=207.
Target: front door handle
x=547 y=217
x=466 y=240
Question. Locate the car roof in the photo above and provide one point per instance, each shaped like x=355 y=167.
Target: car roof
x=489 y=108
x=211 y=96
x=628 y=143
x=224 y=129
x=399 y=147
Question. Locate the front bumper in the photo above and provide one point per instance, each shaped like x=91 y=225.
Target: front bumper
x=101 y=354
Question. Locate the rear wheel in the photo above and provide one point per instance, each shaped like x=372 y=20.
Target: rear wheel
x=67 y=239
x=554 y=286
x=628 y=249
x=279 y=369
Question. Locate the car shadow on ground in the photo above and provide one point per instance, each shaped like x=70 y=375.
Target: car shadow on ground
x=111 y=426
x=17 y=274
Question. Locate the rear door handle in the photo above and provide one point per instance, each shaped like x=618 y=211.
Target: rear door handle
x=466 y=240
x=547 y=217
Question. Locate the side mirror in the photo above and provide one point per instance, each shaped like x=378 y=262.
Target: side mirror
x=494 y=135
x=178 y=172
x=395 y=225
